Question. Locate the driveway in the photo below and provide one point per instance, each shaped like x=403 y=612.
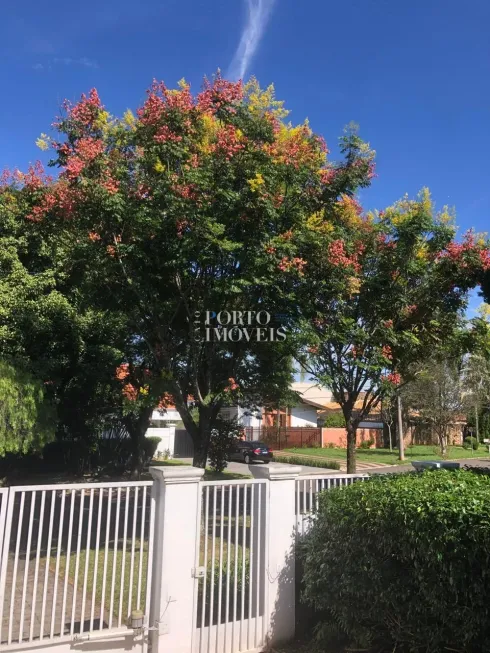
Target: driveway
x=242 y=468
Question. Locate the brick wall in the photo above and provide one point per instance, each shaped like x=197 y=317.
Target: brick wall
x=338 y=436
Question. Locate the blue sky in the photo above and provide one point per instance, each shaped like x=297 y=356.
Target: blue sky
x=414 y=74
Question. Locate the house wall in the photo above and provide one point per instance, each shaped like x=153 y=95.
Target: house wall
x=338 y=437
x=303 y=415
x=167 y=441
x=242 y=415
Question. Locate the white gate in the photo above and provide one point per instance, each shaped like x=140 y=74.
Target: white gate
x=230 y=611
x=75 y=563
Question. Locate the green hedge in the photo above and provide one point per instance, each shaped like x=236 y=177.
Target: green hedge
x=471 y=443
x=402 y=562
x=308 y=462
x=334 y=420
x=78 y=456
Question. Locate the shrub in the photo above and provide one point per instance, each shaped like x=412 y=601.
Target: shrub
x=72 y=456
x=309 y=462
x=334 y=420
x=223 y=439
x=471 y=443
x=402 y=561
x=150 y=446
x=366 y=444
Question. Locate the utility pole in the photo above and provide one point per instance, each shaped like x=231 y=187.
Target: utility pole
x=401 y=444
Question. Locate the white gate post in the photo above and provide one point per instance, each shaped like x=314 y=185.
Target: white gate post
x=280 y=553
x=177 y=515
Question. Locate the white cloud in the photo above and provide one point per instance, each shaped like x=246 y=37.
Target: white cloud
x=38 y=66
x=259 y=12
x=82 y=61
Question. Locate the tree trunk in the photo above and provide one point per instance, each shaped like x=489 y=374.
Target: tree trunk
x=443 y=444
x=202 y=437
x=351 y=446
x=137 y=426
x=401 y=443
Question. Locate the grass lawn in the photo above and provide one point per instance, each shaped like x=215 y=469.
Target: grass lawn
x=415 y=452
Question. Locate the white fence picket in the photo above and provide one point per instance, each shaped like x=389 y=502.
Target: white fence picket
x=52 y=585
x=308 y=489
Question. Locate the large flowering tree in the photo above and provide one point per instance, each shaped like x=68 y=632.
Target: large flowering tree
x=194 y=203
x=402 y=283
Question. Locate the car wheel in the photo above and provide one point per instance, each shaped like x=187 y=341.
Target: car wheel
x=266 y=462
x=246 y=459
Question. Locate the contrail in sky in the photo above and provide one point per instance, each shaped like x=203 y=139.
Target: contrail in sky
x=258 y=15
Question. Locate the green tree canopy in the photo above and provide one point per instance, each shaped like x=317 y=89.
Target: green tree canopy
x=26 y=416
x=402 y=284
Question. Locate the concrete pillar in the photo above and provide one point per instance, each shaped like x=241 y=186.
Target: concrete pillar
x=176 y=491
x=280 y=545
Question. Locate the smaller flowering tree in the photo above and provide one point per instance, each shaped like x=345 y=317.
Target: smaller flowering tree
x=402 y=285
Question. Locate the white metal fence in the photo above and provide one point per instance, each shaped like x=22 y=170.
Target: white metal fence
x=230 y=598
x=307 y=494
x=75 y=560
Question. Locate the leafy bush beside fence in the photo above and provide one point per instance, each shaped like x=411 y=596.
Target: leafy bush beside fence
x=77 y=456
x=404 y=562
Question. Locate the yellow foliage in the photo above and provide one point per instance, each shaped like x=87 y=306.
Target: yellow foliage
x=425 y=200
x=43 y=142
x=353 y=286
x=484 y=311
x=210 y=127
x=159 y=167
x=316 y=222
x=422 y=252
x=347 y=211
x=129 y=118
x=256 y=182
x=263 y=101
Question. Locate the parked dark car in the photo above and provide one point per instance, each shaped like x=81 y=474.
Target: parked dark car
x=247 y=452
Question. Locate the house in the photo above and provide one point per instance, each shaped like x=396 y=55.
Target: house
x=162 y=425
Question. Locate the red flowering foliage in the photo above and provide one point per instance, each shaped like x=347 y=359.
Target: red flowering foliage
x=388 y=324
x=181 y=227
x=387 y=352
x=34 y=179
x=218 y=94
x=337 y=255
x=110 y=184
x=327 y=175
x=86 y=110
x=165 y=134
x=58 y=199
x=292 y=264
x=166 y=401
x=393 y=378
x=122 y=371
x=457 y=252
x=232 y=385
x=130 y=392
x=228 y=143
